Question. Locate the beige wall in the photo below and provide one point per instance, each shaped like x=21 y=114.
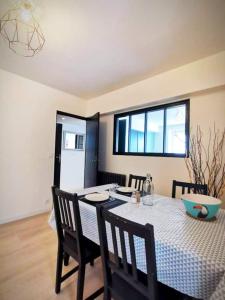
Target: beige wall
x=202 y=81
x=178 y=83
x=205 y=109
x=27 y=134
x=27 y=131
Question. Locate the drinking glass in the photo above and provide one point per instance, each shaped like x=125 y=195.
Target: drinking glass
x=147 y=200
x=133 y=198
x=116 y=186
x=112 y=190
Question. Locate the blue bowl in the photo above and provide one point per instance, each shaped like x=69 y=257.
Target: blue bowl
x=200 y=206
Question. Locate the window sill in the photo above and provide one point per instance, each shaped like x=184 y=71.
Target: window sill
x=151 y=154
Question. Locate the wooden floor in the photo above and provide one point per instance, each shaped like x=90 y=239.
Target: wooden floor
x=27 y=263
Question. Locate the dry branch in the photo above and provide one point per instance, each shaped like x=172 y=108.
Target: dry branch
x=206 y=165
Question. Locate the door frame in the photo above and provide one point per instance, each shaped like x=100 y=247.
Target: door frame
x=55 y=177
x=59 y=112
x=66 y=114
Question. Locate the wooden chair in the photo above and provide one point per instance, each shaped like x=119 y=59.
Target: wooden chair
x=71 y=241
x=189 y=187
x=138 y=181
x=122 y=280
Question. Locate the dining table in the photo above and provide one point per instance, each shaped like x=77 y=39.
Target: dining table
x=190 y=254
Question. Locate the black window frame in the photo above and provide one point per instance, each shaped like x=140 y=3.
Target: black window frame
x=185 y=102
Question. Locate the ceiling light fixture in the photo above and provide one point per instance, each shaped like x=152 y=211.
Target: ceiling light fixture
x=21 y=31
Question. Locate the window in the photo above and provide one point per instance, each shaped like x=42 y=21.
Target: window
x=175 y=129
x=69 y=140
x=137 y=133
x=73 y=141
x=79 y=143
x=122 y=128
x=155 y=131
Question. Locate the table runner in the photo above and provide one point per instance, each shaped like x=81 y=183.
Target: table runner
x=190 y=254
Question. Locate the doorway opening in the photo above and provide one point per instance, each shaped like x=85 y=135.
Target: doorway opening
x=76 y=151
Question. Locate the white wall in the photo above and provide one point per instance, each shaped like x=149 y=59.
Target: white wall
x=202 y=81
x=205 y=109
x=27 y=131
x=178 y=83
x=27 y=135
x=72 y=161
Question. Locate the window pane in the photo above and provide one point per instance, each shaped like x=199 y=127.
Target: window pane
x=137 y=133
x=175 y=129
x=122 y=128
x=154 y=135
x=69 y=140
x=79 y=142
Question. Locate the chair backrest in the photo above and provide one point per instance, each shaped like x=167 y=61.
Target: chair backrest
x=137 y=180
x=189 y=187
x=109 y=177
x=124 y=233
x=67 y=215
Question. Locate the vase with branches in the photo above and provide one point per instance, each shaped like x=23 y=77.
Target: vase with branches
x=206 y=160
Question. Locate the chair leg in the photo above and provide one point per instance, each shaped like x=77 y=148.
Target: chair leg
x=59 y=269
x=66 y=259
x=92 y=263
x=107 y=295
x=80 y=281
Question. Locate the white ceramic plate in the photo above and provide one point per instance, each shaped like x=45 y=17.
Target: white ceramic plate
x=126 y=189
x=97 y=197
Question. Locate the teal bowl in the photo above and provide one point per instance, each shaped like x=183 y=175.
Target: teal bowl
x=200 y=206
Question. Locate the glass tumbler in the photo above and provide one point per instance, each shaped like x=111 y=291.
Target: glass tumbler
x=147 y=200
x=133 y=198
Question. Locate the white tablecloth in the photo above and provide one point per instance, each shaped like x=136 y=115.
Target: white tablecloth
x=190 y=254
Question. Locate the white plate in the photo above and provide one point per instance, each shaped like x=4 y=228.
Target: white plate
x=126 y=189
x=97 y=197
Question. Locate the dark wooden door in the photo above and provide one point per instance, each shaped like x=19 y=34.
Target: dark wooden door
x=91 y=151
x=58 y=144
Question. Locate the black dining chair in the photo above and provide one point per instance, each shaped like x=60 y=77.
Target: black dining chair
x=122 y=279
x=137 y=181
x=71 y=241
x=189 y=187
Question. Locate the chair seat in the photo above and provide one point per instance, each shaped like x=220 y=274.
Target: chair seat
x=122 y=290
x=91 y=250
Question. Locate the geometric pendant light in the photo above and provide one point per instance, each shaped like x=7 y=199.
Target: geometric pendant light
x=20 y=30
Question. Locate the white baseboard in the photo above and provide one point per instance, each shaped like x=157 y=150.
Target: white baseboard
x=23 y=216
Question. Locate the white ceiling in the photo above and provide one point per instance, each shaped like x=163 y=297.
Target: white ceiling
x=95 y=46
